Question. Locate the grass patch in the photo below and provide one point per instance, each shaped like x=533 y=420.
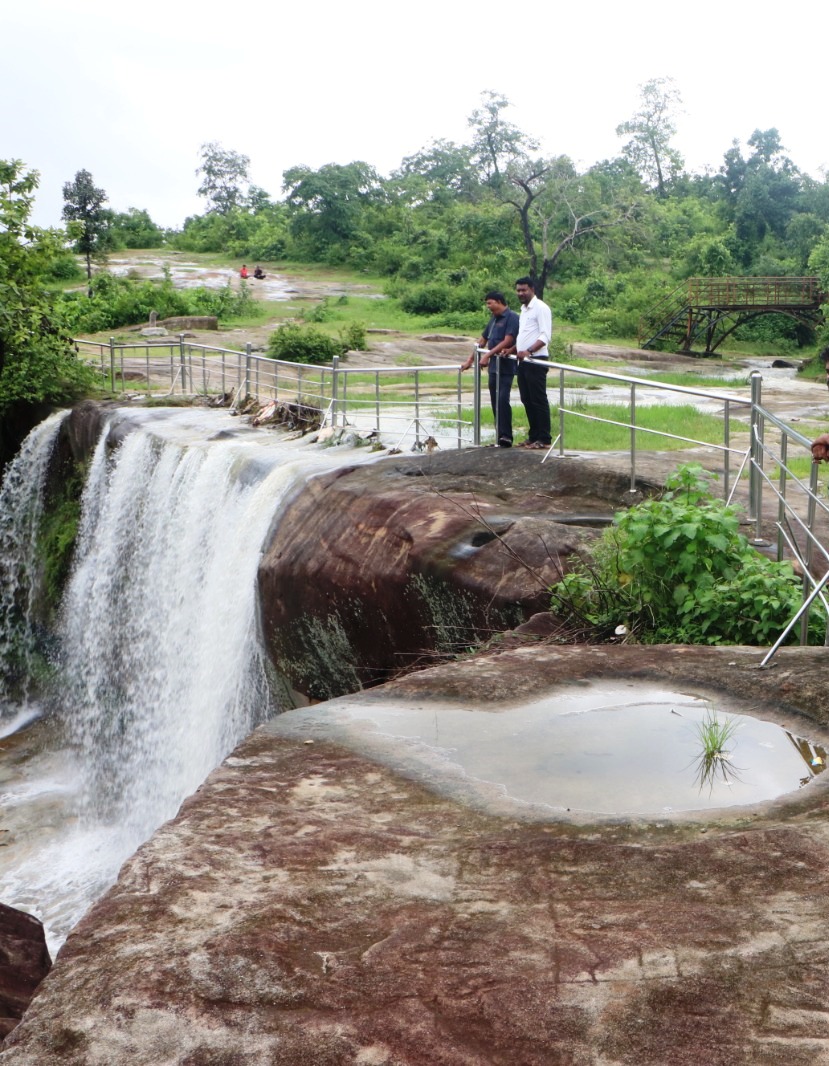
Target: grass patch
x=585 y=434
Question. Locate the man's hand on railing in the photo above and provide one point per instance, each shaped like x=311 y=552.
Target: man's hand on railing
x=820 y=449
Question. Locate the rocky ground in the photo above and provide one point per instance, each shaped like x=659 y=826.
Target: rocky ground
x=312 y=905
x=315 y=905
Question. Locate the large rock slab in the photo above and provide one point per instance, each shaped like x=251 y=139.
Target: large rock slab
x=24 y=962
x=312 y=906
x=373 y=569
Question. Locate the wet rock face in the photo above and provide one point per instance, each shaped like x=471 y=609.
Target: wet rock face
x=24 y=962
x=311 y=907
x=373 y=569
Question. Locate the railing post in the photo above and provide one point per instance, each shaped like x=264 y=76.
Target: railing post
x=755 y=480
x=417 y=406
x=335 y=385
x=460 y=410
x=781 y=498
x=112 y=364
x=727 y=452
x=182 y=362
x=633 y=438
x=561 y=413
x=377 y=400
x=248 y=350
x=810 y=523
x=476 y=398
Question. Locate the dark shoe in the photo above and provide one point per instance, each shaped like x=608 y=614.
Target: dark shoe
x=537 y=446
x=504 y=442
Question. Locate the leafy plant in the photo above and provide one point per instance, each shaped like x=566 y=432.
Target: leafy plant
x=303 y=344
x=353 y=337
x=38 y=362
x=677 y=570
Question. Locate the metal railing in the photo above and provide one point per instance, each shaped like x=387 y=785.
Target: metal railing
x=580 y=410
x=802 y=517
x=414 y=403
x=419 y=403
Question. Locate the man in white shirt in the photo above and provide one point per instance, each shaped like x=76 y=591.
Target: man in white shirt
x=535 y=328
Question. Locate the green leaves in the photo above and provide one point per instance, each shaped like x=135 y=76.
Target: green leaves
x=677 y=570
x=37 y=360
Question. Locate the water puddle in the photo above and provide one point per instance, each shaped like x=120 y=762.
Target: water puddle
x=608 y=749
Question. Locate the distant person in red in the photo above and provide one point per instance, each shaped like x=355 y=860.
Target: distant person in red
x=243 y=273
x=258 y=273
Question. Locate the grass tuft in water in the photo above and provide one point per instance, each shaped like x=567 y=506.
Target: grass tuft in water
x=713 y=762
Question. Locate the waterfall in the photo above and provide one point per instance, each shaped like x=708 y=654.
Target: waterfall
x=161 y=670
x=161 y=662
x=21 y=511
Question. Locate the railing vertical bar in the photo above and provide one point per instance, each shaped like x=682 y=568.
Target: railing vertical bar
x=781 y=498
x=561 y=411
x=460 y=408
x=810 y=523
x=417 y=405
x=633 y=437
x=335 y=385
x=727 y=445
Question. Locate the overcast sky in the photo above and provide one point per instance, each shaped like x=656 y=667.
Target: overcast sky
x=129 y=91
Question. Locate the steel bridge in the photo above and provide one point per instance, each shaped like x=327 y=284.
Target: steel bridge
x=710 y=309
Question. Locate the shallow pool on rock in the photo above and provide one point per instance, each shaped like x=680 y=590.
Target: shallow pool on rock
x=601 y=748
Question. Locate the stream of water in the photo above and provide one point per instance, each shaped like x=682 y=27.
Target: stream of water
x=159 y=671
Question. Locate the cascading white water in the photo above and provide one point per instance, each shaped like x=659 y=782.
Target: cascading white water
x=21 y=510
x=162 y=666
x=161 y=670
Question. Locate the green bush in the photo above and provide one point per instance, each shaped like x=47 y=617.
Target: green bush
x=303 y=344
x=353 y=337
x=677 y=570
x=124 y=302
x=64 y=267
x=425 y=299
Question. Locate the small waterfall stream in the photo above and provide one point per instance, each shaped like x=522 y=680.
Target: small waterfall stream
x=161 y=670
x=21 y=509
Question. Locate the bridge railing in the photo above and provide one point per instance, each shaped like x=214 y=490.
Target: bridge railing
x=753 y=292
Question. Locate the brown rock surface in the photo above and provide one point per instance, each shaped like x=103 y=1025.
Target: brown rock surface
x=24 y=962
x=310 y=906
x=374 y=568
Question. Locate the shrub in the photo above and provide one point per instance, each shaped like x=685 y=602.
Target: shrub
x=303 y=344
x=677 y=570
x=64 y=267
x=426 y=299
x=124 y=302
x=353 y=337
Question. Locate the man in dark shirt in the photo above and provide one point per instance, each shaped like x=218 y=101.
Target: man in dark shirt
x=499 y=338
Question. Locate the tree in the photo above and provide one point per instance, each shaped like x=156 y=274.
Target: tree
x=760 y=192
x=328 y=204
x=558 y=207
x=38 y=362
x=650 y=131
x=441 y=172
x=225 y=177
x=89 y=221
x=496 y=143
x=134 y=228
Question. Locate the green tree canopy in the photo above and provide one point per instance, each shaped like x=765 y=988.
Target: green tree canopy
x=328 y=205
x=650 y=130
x=225 y=177
x=38 y=362
x=89 y=221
